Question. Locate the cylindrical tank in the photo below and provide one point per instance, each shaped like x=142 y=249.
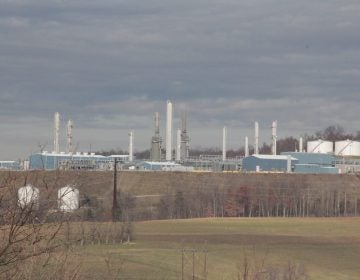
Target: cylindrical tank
x=68 y=198
x=347 y=148
x=28 y=196
x=320 y=146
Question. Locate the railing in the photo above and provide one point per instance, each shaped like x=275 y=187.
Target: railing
x=213 y=158
x=346 y=162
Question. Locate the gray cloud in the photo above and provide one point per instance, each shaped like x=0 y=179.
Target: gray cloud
x=109 y=65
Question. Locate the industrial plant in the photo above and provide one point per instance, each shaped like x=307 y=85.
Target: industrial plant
x=320 y=156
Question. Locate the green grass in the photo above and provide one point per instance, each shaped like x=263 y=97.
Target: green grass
x=329 y=248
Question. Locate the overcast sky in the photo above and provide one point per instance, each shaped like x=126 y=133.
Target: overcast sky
x=109 y=65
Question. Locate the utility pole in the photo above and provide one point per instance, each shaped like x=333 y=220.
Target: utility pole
x=193 y=267
x=189 y=257
x=114 y=206
x=182 y=264
x=205 y=264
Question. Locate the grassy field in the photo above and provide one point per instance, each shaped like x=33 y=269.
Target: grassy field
x=327 y=248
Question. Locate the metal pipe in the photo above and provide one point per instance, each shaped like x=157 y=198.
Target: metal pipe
x=301 y=145
x=274 y=137
x=131 y=144
x=224 y=144
x=288 y=164
x=256 y=145
x=246 y=146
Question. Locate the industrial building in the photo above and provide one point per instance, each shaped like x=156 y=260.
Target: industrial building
x=10 y=165
x=321 y=157
x=299 y=163
x=312 y=158
x=121 y=158
x=315 y=169
x=347 y=164
x=273 y=163
x=163 y=166
x=214 y=163
x=314 y=163
x=77 y=161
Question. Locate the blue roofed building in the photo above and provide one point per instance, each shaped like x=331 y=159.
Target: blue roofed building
x=312 y=158
x=10 y=165
x=316 y=163
x=53 y=161
x=274 y=163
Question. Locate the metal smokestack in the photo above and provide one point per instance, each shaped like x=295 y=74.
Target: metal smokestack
x=69 y=129
x=256 y=138
x=178 y=145
x=131 y=144
x=274 y=137
x=157 y=124
x=224 y=144
x=246 y=146
x=169 y=120
x=301 y=147
x=56 y=132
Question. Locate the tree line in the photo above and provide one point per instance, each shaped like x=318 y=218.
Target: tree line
x=252 y=201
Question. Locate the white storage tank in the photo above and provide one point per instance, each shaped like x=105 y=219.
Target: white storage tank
x=320 y=146
x=347 y=148
x=68 y=198
x=28 y=196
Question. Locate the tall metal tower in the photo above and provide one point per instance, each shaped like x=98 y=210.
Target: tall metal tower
x=274 y=137
x=56 y=132
x=69 y=129
x=156 y=141
x=256 y=138
x=301 y=147
x=169 y=124
x=246 y=146
x=185 y=140
x=178 y=146
x=131 y=146
x=224 y=143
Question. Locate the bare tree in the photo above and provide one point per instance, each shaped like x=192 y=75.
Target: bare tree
x=24 y=231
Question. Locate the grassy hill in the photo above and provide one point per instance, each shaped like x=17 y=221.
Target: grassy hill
x=322 y=248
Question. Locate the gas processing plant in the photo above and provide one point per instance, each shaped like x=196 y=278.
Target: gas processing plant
x=320 y=156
